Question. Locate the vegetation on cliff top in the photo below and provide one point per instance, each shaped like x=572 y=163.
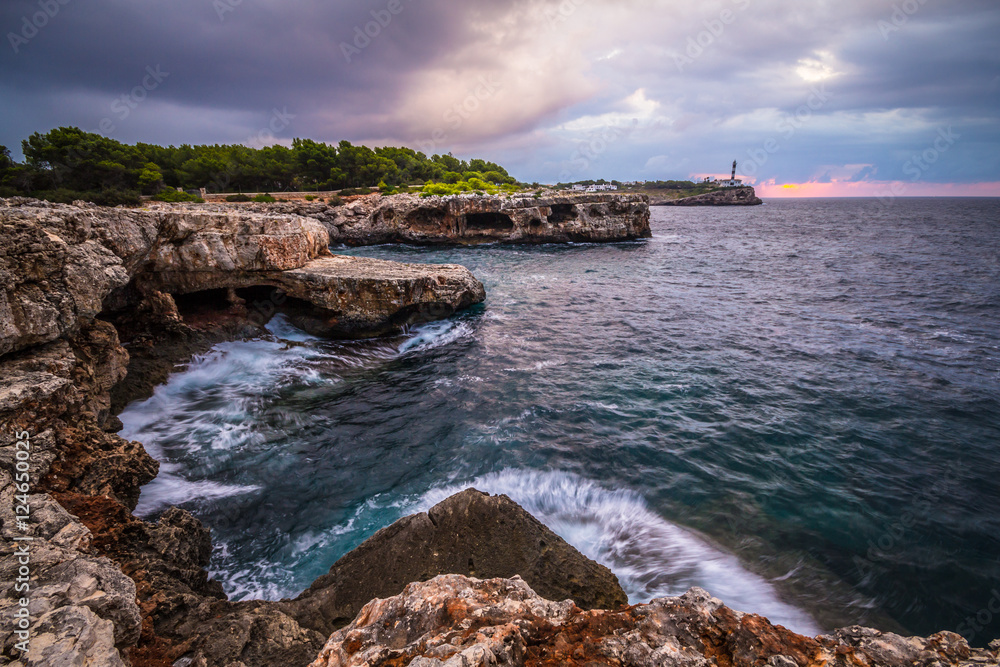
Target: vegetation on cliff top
x=67 y=163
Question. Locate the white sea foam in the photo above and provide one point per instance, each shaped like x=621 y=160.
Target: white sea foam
x=651 y=556
x=434 y=335
x=169 y=489
x=210 y=406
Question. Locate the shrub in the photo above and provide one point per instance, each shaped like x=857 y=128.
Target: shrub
x=335 y=200
x=176 y=196
x=238 y=198
x=103 y=198
x=310 y=198
x=265 y=198
x=355 y=191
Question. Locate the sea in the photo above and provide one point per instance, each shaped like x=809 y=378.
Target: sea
x=794 y=406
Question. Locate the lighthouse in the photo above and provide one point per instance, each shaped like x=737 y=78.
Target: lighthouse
x=732 y=182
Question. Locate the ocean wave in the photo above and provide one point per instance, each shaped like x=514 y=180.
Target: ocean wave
x=651 y=556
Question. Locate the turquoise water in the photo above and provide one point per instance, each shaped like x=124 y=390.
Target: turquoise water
x=795 y=406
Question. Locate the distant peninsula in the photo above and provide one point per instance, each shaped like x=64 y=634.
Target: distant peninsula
x=741 y=196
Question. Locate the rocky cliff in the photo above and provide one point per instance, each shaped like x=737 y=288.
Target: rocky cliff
x=745 y=196
x=97 y=303
x=475 y=219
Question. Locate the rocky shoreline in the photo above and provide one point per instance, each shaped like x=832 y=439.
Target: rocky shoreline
x=745 y=196
x=97 y=306
x=471 y=219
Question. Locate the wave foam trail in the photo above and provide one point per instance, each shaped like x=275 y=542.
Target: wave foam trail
x=435 y=334
x=169 y=489
x=651 y=556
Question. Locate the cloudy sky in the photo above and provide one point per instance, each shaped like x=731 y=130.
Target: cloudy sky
x=813 y=97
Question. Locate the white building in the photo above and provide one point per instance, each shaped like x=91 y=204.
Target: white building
x=601 y=188
x=732 y=182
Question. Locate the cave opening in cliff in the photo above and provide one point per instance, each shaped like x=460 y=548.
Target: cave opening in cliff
x=429 y=220
x=562 y=213
x=494 y=220
x=200 y=305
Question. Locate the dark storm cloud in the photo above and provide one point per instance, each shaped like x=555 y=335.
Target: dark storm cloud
x=556 y=74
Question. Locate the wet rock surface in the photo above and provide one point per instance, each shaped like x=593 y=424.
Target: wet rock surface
x=469 y=533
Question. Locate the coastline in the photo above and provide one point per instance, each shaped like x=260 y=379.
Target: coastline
x=74 y=376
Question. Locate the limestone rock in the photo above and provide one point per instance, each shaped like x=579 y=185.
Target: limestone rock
x=61 y=266
x=473 y=219
x=50 y=278
x=469 y=533
x=199 y=250
x=360 y=297
x=71 y=636
x=82 y=608
x=456 y=621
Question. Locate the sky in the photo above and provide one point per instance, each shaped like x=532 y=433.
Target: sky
x=811 y=97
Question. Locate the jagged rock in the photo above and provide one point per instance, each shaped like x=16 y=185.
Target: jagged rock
x=201 y=250
x=50 y=278
x=82 y=608
x=469 y=533
x=456 y=621
x=71 y=636
x=745 y=196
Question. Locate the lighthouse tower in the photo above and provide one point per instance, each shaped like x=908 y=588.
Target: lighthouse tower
x=733 y=182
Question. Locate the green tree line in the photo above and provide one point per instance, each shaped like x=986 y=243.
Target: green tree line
x=67 y=163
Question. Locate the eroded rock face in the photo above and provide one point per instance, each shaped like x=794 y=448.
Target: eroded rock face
x=107 y=588
x=474 y=219
x=357 y=296
x=83 y=608
x=53 y=274
x=61 y=266
x=469 y=533
x=457 y=621
x=745 y=196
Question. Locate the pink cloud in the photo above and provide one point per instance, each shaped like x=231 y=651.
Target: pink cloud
x=776 y=190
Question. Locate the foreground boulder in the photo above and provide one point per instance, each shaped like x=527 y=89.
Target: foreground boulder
x=462 y=622
x=470 y=533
